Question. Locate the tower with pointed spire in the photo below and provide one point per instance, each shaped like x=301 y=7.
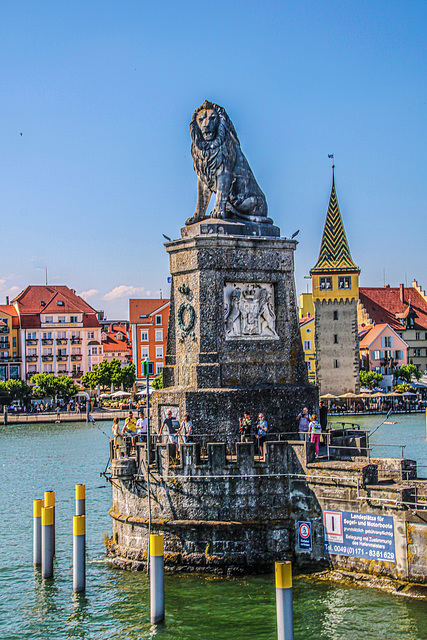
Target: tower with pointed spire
x=335 y=281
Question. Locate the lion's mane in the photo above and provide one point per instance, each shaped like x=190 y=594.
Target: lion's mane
x=210 y=156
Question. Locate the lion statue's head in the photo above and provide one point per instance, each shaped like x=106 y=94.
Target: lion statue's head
x=213 y=140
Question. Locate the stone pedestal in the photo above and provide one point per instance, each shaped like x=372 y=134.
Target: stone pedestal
x=233 y=341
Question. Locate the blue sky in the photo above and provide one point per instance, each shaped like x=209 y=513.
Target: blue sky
x=103 y=93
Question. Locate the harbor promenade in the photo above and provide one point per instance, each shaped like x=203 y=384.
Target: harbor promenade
x=64 y=416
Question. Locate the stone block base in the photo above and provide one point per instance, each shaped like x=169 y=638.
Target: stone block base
x=217 y=411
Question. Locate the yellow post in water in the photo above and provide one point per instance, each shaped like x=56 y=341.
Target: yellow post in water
x=49 y=501
x=157 y=578
x=80 y=500
x=284 y=601
x=37 y=532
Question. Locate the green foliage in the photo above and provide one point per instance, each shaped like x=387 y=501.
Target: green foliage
x=402 y=387
x=405 y=372
x=109 y=373
x=47 y=384
x=158 y=381
x=18 y=390
x=370 y=379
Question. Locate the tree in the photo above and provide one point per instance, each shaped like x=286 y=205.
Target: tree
x=45 y=385
x=370 y=379
x=405 y=372
x=158 y=381
x=4 y=393
x=128 y=376
x=66 y=388
x=18 y=390
x=109 y=373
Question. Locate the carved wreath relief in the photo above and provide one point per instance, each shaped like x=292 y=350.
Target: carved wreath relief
x=249 y=311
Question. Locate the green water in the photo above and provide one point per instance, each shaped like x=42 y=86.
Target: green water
x=116 y=604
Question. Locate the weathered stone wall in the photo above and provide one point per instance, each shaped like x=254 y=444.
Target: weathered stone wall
x=206 y=359
x=241 y=515
x=217 y=411
x=345 y=377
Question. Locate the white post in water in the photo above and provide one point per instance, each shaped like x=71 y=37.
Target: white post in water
x=49 y=501
x=37 y=531
x=47 y=542
x=79 y=553
x=284 y=603
x=80 y=500
x=157 y=578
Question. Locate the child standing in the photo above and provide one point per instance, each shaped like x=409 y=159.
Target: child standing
x=315 y=429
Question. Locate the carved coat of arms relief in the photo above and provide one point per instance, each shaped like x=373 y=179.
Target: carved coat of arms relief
x=249 y=311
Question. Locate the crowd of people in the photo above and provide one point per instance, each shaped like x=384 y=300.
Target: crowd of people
x=310 y=428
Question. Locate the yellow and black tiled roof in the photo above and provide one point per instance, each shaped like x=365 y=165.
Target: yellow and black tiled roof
x=334 y=252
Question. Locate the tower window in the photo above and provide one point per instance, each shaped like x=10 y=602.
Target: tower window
x=344 y=282
x=325 y=283
x=336 y=364
x=335 y=338
x=335 y=315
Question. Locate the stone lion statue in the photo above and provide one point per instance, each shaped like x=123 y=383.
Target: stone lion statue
x=222 y=168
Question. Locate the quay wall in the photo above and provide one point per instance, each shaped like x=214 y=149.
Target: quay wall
x=240 y=515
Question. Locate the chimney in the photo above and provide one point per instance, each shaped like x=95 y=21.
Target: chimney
x=7 y=299
x=402 y=293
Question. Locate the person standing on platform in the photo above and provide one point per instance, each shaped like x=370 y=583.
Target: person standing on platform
x=186 y=429
x=261 y=433
x=323 y=415
x=141 y=427
x=168 y=428
x=245 y=428
x=315 y=430
x=303 y=424
x=118 y=439
x=130 y=428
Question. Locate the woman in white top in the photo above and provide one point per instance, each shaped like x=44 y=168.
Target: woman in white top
x=186 y=429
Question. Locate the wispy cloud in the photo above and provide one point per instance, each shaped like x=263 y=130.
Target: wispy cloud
x=88 y=294
x=126 y=291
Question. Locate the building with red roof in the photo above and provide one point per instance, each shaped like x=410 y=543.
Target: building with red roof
x=382 y=350
x=59 y=331
x=404 y=309
x=149 y=318
x=116 y=344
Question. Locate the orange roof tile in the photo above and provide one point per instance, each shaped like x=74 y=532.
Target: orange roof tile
x=29 y=300
x=145 y=307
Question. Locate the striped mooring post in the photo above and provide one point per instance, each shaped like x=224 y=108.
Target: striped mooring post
x=47 y=541
x=284 y=601
x=157 y=579
x=49 y=501
x=79 y=553
x=37 y=532
x=80 y=500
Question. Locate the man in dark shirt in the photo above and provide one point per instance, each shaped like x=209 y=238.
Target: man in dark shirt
x=323 y=415
x=169 y=428
x=245 y=428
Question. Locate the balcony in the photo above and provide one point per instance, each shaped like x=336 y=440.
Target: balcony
x=63 y=373
x=62 y=357
x=4 y=345
x=61 y=340
x=32 y=341
x=76 y=374
x=32 y=358
x=4 y=358
x=47 y=341
x=47 y=358
x=76 y=357
x=76 y=340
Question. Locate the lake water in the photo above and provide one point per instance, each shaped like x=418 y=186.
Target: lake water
x=116 y=604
